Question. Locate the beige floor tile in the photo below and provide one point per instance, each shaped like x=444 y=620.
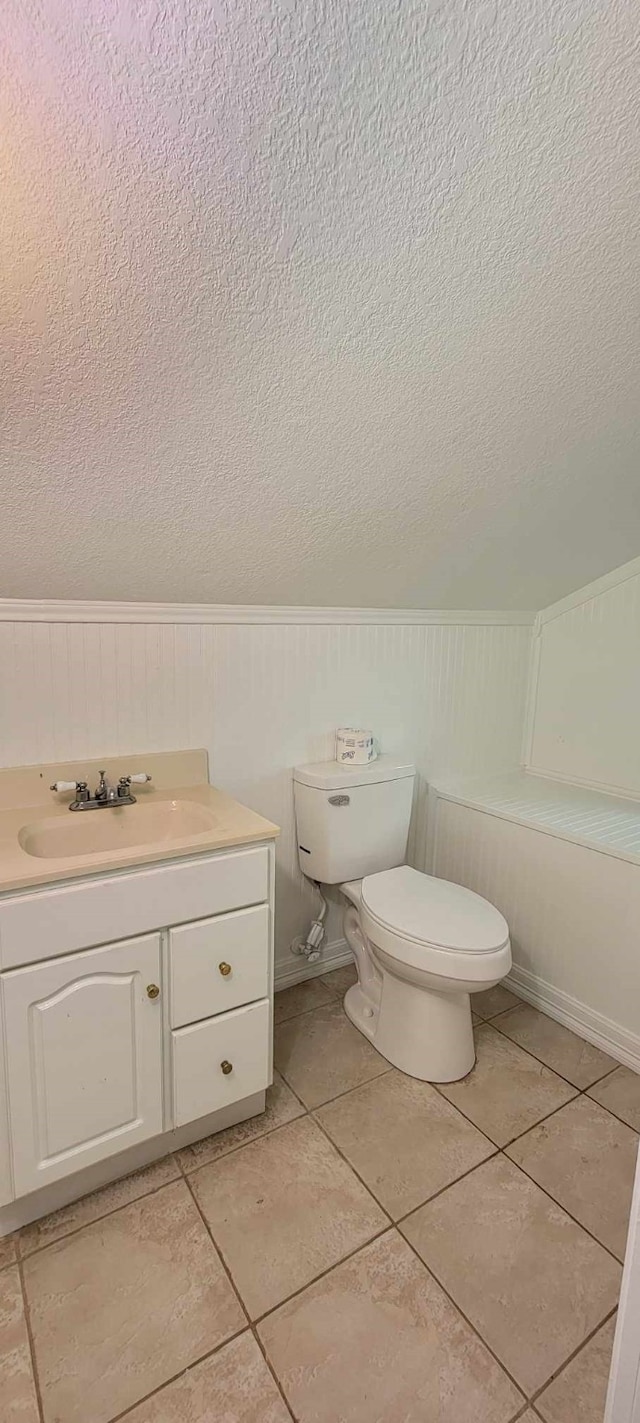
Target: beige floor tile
x=531 y=1281
x=580 y=1062
x=493 y=1001
x=281 y=1107
x=620 y=1093
x=340 y=979
x=377 y=1339
x=282 y=1210
x=578 y=1394
x=99 y=1203
x=290 y=1002
x=125 y=1304
x=403 y=1139
x=233 y=1386
x=322 y=1054
x=18 y=1402
x=507 y=1091
x=586 y=1160
x=8 y=1252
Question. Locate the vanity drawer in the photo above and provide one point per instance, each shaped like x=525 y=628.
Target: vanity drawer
x=218 y=964
x=239 y=1041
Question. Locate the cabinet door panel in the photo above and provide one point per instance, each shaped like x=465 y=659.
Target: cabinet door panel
x=84 y=1056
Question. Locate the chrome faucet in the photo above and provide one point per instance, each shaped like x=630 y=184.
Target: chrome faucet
x=105 y=793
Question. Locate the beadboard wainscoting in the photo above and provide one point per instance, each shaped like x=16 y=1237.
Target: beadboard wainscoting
x=263 y=689
x=572 y=910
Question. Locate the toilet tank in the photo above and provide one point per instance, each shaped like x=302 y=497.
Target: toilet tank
x=352 y=820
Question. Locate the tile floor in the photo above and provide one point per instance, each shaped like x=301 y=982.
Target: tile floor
x=372 y=1248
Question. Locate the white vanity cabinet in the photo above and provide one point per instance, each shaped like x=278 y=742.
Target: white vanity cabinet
x=136 y=1017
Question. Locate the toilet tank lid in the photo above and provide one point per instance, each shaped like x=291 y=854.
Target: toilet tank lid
x=434 y=911
x=333 y=776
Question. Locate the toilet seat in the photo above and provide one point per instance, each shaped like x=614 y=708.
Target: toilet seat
x=431 y=924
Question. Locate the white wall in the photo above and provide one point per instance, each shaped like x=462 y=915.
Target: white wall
x=585 y=710
x=261 y=697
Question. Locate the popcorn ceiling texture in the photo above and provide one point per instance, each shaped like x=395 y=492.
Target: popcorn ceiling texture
x=319 y=302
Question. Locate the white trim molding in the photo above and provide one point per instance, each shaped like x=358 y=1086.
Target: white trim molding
x=53 y=610
x=618 y=1042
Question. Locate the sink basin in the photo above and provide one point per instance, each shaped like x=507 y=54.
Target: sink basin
x=115 y=828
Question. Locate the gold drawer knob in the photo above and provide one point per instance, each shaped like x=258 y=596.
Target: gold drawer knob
x=225 y=969
x=152 y=990
x=227 y=1067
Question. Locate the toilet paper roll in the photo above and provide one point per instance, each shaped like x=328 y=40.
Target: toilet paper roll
x=354 y=747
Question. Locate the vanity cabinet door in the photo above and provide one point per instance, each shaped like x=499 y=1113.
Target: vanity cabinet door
x=84 y=1058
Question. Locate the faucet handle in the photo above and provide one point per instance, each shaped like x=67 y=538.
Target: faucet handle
x=139 y=779
x=62 y=786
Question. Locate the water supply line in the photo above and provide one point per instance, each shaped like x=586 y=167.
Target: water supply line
x=312 y=944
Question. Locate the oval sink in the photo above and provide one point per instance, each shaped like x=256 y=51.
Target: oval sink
x=94 y=832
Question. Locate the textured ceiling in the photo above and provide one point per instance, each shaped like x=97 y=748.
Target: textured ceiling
x=315 y=301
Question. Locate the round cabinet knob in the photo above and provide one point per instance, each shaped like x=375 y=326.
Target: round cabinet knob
x=225 y=969
x=152 y=990
x=227 y=1067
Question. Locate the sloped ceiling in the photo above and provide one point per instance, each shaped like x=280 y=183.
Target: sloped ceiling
x=319 y=302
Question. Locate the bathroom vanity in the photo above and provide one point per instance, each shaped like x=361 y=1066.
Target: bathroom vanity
x=136 y=976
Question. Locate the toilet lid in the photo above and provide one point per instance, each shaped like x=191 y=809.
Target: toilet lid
x=434 y=911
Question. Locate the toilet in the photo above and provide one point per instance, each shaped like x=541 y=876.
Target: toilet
x=421 y=944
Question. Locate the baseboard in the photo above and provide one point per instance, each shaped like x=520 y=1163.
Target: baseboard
x=334 y=955
x=618 y=1042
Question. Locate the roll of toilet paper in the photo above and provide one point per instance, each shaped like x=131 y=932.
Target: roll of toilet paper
x=354 y=747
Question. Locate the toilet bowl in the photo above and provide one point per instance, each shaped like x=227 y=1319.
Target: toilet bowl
x=422 y=945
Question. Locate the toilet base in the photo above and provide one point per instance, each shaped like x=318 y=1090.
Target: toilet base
x=428 y=1035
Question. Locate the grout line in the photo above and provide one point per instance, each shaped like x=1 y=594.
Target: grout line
x=456 y=1181
x=273 y=1373
x=563 y=1208
x=587 y=1340
x=378 y=1234
x=618 y=1118
x=495 y=1023
x=236 y=1291
x=260 y=1136
x=131 y=1408
x=32 y=1347
x=299 y=1013
x=367 y=1082
x=347 y=1090
x=218 y=1251
x=537 y=1392
x=13 y=1235
x=352 y=1168
x=598 y=1080
x=46 y=1244
x=527 y=1052
x=375 y=1236
x=483 y=1130
x=461 y=1312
